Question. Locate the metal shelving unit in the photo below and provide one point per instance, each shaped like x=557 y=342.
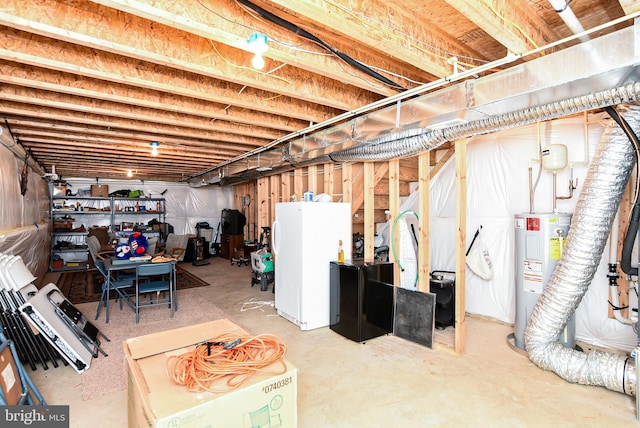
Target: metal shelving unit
x=71 y=217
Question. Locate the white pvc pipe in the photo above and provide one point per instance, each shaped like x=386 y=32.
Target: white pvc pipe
x=568 y=17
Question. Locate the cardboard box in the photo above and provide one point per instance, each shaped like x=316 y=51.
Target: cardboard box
x=59 y=189
x=100 y=190
x=155 y=401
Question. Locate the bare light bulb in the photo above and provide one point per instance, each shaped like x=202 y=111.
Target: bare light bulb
x=258 y=44
x=154 y=148
x=129 y=173
x=257 y=62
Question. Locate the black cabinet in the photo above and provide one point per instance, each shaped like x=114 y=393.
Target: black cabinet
x=444 y=289
x=361 y=299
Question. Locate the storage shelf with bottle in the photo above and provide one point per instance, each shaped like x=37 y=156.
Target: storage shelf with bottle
x=71 y=216
x=134 y=214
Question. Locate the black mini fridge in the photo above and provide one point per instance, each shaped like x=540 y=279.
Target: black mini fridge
x=361 y=294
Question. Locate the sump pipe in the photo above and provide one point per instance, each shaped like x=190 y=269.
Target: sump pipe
x=414 y=141
x=597 y=205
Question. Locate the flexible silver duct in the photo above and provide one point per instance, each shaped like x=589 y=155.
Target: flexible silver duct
x=595 y=211
x=411 y=142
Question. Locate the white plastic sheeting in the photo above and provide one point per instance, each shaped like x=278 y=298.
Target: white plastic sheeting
x=24 y=230
x=24 y=220
x=185 y=205
x=497 y=189
x=16 y=210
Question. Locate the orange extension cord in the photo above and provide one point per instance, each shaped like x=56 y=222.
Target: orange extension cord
x=211 y=362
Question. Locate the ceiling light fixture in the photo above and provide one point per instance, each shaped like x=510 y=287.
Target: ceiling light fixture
x=154 y=148
x=258 y=44
x=129 y=173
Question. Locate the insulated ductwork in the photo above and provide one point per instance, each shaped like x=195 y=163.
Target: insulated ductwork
x=413 y=141
x=604 y=185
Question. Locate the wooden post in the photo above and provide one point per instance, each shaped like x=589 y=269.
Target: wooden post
x=328 y=179
x=369 y=185
x=298 y=184
x=394 y=210
x=347 y=183
x=461 y=239
x=424 y=251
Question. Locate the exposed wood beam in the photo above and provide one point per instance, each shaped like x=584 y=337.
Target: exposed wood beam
x=64 y=83
x=81 y=104
x=629 y=6
x=513 y=23
x=384 y=28
x=44 y=128
x=106 y=122
x=34 y=50
x=103 y=28
x=86 y=143
x=209 y=21
x=441 y=162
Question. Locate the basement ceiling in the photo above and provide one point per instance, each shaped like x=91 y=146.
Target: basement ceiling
x=86 y=86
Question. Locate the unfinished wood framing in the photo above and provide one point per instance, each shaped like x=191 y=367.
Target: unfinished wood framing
x=372 y=181
x=394 y=211
x=369 y=193
x=424 y=234
x=461 y=239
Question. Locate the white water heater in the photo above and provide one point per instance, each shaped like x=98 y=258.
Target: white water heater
x=540 y=240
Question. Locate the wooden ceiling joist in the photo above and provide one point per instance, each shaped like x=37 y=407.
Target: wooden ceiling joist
x=87 y=105
x=64 y=83
x=512 y=23
x=178 y=71
x=131 y=37
x=387 y=29
x=61 y=56
x=160 y=130
x=286 y=47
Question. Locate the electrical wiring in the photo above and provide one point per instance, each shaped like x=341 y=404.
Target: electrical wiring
x=405 y=37
x=256 y=304
x=513 y=24
x=226 y=361
x=249 y=68
x=305 y=34
x=634 y=214
x=255 y=14
x=13 y=140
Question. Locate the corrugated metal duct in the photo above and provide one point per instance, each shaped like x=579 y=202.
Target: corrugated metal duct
x=595 y=211
x=413 y=141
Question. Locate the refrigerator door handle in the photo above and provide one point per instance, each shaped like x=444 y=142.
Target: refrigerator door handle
x=275 y=240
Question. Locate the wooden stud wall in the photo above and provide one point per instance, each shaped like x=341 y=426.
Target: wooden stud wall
x=461 y=237
x=362 y=184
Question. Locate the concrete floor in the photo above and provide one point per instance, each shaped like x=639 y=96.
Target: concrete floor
x=385 y=382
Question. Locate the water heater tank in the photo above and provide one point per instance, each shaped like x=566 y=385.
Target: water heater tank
x=540 y=240
x=554 y=157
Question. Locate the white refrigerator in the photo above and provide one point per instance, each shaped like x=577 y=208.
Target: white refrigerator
x=305 y=239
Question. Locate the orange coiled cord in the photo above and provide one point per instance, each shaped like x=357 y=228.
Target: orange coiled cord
x=210 y=363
